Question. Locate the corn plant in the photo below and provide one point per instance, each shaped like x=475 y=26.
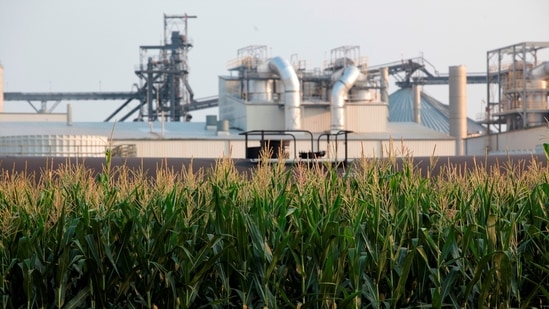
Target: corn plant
x=376 y=234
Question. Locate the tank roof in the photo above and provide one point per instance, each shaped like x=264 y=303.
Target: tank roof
x=434 y=114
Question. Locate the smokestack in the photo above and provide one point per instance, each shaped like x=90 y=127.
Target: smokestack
x=384 y=91
x=416 y=91
x=458 y=106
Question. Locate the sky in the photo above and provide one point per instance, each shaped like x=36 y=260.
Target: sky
x=84 y=45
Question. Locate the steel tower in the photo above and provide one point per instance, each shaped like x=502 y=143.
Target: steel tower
x=164 y=77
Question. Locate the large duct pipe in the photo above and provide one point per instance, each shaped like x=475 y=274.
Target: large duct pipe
x=292 y=104
x=540 y=72
x=384 y=87
x=416 y=91
x=458 y=106
x=342 y=86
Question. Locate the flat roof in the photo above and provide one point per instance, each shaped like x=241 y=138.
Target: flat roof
x=189 y=130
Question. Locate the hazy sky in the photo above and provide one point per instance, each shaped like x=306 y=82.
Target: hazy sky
x=84 y=45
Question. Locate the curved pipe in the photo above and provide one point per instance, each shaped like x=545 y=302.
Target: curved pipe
x=342 y=86
x=540 y=72
x=292 y=105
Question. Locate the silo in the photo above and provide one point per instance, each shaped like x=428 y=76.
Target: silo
x=1 y=89
x=458 y=106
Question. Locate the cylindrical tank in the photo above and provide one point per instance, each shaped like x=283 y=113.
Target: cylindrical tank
x=536 y=102
x=223 y=125
x=1 y=89
x=261 y=91
x=54 y=145
x=540 y=72
x=360 y=93
x=458 y=106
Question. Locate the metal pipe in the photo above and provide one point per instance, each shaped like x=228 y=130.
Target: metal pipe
x=340 y=88
x=540 y=72
x=292 y=103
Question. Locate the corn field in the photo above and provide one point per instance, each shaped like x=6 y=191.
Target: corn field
x=373 y=235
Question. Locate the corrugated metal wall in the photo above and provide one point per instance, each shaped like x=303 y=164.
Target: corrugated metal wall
x=369 y=117
x=524 y=141
x=316 y=119
x=235 y=148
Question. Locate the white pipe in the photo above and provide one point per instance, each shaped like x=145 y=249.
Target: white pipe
x=340 y=88
x=540 y=72
x=457 y=81
x=292 y=104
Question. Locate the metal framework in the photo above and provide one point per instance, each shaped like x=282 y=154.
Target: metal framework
x=164 y=78
x=419 y=71
x=57 y=97
x=164 y=86
x=513 y=99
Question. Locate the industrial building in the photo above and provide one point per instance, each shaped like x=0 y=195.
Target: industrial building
x=339 y=111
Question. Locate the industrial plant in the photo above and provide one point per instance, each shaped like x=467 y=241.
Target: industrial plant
x=339 y=111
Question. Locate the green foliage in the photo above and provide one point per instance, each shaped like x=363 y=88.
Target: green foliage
x=377 y=235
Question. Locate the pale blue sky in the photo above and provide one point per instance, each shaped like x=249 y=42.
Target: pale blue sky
x=84 y=45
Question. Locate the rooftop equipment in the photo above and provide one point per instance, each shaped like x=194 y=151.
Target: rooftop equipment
x=517 y=86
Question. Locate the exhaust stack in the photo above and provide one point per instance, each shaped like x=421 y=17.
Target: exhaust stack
x=292 y=105
x=340 y=88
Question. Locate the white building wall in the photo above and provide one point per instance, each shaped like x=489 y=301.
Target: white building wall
x=369 y=117
x=33 y=117
x=187 y=148
x=264 y=117
x=524 y=141
x=478 y=146
x=316 y=119
x=233 y=110
x=235 y=148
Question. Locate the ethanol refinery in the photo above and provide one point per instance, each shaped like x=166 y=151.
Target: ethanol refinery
x=345 y=109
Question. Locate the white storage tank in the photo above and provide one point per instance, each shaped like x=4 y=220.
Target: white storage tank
x=54 y=145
